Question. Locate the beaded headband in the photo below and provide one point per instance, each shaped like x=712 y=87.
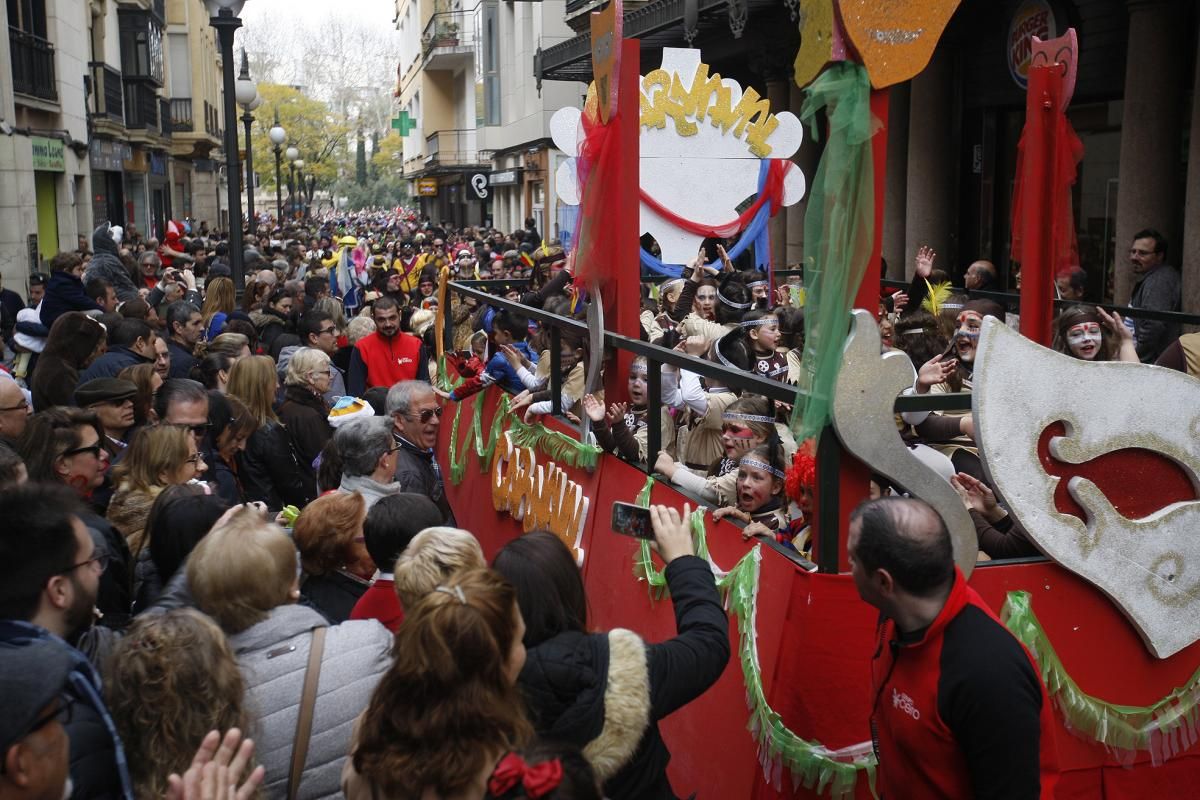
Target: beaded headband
x=764 y=466
x=752 y=323
x=752 y=284
x=747 y=417
x=729 y=302
x=721 y=357
x=952 y=306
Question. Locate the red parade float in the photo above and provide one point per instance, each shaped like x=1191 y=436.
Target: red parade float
x=788 y=718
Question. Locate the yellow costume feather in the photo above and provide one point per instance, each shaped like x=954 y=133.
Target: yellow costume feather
x=938 y=295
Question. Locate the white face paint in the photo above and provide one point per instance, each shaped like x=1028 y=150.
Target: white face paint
x=1084 y=340
x=966 y=336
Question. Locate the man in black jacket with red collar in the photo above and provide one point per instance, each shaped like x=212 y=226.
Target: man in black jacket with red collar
x=958 y=709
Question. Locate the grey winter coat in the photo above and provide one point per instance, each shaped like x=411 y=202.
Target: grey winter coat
x=106 y=263
x=273 y=655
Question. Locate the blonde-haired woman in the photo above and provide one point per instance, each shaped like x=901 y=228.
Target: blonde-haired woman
x=333 y=553
x=244 y=574
x=267 y=467
x=219 y=303
x=432 y=557
x=234 y=345
x=170 y=679
x=157 y=457
x=304 y=412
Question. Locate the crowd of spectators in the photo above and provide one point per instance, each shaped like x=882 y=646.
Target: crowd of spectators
x=227 y=513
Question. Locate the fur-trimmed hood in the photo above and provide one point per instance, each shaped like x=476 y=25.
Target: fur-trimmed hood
x=592 y=690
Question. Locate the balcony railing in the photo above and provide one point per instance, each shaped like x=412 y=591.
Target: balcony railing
x=108 y=92
x=451 y=148
x=141 y=105
x=180 y=115
x=32 y=65
x=447 y=29
x=164 y=116
x=212 y=120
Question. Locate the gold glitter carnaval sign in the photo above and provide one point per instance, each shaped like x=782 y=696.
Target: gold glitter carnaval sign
x=541 y=497
x=895 y=38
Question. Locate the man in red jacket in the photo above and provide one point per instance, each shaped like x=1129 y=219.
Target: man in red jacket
x=387 y=356
x=958 y=710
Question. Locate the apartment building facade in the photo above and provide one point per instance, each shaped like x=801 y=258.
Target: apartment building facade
x=108 y=112
x=475 y=122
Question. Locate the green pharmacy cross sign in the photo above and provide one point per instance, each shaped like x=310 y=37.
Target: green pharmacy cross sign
x=404 y=123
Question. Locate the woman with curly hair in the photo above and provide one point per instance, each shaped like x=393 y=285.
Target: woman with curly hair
x=170 y=680
x=448 y=709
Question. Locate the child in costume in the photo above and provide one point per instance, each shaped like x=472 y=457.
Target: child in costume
x=761 y=502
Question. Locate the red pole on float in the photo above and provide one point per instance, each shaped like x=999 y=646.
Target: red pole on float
x=853 y=476
x=1038 y=220
x=622 y=293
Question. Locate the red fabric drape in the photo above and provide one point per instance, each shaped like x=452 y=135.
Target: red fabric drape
x=1068 y=152
x=772 y=192
x=597 y=168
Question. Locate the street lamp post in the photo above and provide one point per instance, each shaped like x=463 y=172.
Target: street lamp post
x=278 y=136
x=248 y=99
x=223 y=15
x=292 y=155
x=299 y=162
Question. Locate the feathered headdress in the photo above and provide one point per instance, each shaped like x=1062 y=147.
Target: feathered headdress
x=938 y=294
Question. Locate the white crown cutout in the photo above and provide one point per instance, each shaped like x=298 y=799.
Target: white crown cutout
x=702 y=141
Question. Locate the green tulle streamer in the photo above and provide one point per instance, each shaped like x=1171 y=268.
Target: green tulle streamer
x=552 y=444
x=1164 y=729
x=839 y=231
x=809 y=763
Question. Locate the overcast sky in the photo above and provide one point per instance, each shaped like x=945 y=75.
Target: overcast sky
x=376 y=12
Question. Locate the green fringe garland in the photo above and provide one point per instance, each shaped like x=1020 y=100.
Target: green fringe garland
x=809 y=763
x=553 y=444
x=1164 y=729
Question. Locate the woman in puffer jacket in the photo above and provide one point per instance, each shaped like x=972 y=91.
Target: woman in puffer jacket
x=244 y=575
x=606 y=692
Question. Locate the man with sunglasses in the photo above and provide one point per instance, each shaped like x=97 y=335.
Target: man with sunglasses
x=50 y=568
x=318 y=331
x=416 y=414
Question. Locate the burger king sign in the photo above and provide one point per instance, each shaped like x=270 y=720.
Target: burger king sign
x=1032 y=18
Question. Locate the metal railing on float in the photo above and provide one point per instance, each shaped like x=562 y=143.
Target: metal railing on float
x=829 y=451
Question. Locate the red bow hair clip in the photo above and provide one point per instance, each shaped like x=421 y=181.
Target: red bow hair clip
x=537 y=780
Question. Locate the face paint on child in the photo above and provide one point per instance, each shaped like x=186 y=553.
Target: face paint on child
x=737 y=439
x=966 y=335
x=1084 y=339
x=756 y=487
